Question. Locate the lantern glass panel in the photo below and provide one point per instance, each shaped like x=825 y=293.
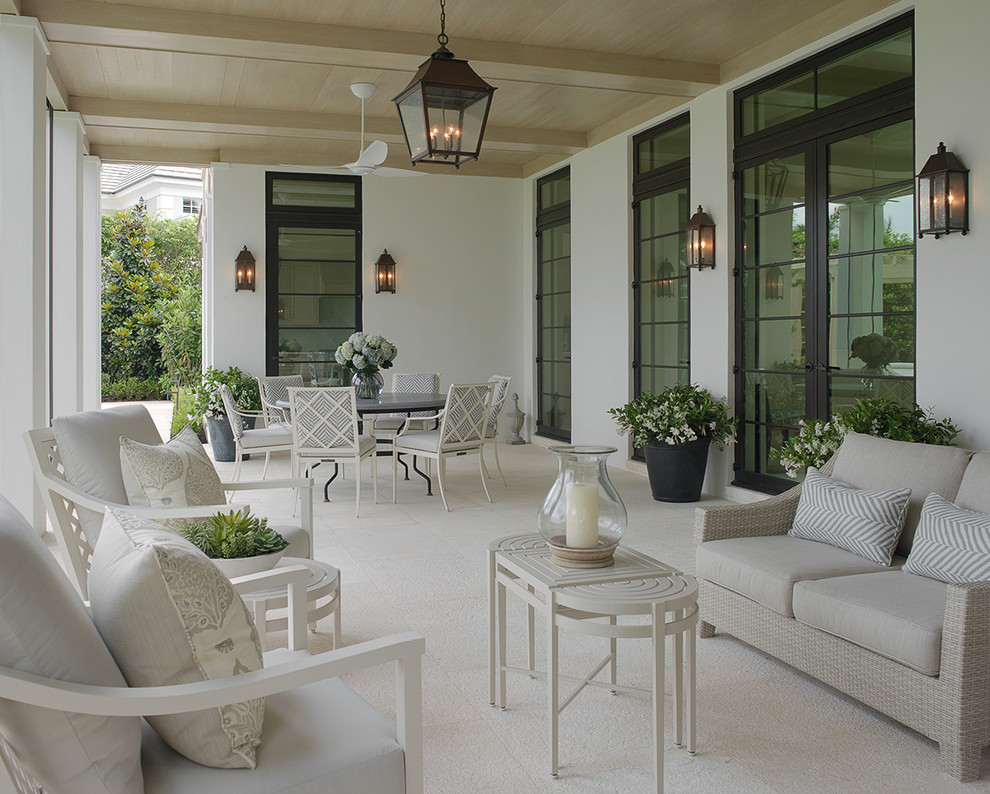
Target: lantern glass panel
x=924 y=204
x=957 y=200
x=455 y=117
x=939 y=193
x=414 y=124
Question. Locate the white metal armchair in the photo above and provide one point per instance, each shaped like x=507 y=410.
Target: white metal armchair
x=267 y=439
x=91 y=449
x=461 y=432
x=272 y=389
x=56 y=671
x=386 y=427
x=325 y=430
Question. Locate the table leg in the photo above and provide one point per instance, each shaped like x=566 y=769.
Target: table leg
x=692 y=684
x=491 y=627
x=338 y=638
x=659 y=636
x=531 y=632
x=613 y=647
x=297 y=617
x=500 y=611
x=553 y=692
x=679 y=682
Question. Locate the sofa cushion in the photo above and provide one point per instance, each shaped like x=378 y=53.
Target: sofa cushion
x=89 y=446
x=175 y=474
x=169 y=616
x=46 y=630
x=974 y=490
x=951 y=544
x=893 y=613
x=766 y=568
x=865 y=522
x=318 y=738
x=869 y=462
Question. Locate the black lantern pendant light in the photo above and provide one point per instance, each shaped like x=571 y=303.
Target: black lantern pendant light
x=943 y=188
x=385 y=273
x=700 y=232
x=444 y=109
x=244 y=271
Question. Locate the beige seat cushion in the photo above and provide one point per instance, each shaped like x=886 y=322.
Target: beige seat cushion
x=46 y=630
x=765 y=569
x=869 y=462
x=429 y=440
x=365 y=444
x=169 y=616
x=896 y=614
x=318 y=738
x=266 y=437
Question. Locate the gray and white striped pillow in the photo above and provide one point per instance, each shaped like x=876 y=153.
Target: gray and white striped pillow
x=865 y=522
x=951 y=544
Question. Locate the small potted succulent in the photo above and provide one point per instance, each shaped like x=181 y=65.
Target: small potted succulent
x=364 y=355
x=238 y=542
x=675 y=429
x=207 y=403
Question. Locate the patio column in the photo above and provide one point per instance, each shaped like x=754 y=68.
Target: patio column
x=67 y=263
x=91 y=284
x=23 y=297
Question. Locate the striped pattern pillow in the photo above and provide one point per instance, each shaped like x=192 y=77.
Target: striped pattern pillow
x=951 y=544
x=867 y=523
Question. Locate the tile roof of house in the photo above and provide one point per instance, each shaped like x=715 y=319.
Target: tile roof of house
x=115 y=177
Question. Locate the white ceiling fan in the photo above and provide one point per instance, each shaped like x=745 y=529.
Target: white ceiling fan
x=370 y=160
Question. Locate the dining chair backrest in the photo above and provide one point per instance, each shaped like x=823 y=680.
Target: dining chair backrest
x=416 y=383
x=498 y=399
x=324 y=419
x=231 y=409
x=274 y=388
x=464 y=418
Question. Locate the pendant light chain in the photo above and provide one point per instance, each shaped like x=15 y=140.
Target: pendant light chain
x=442 y=38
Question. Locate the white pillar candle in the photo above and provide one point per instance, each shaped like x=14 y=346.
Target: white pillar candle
x=582 y=515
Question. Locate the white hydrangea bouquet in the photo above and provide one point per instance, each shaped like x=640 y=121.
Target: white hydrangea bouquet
x=366 y=353
x=677 y=415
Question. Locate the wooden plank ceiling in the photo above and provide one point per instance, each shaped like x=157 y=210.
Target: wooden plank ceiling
x=254 y=81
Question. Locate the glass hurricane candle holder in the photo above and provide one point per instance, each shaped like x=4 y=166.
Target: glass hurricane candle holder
x=583 y=517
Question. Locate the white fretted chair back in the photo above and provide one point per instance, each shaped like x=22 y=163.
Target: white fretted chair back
x=498 y=400
x=231 y=409
x=274 y=388
x=416 y=383
x=324 y=420
x=466 y=414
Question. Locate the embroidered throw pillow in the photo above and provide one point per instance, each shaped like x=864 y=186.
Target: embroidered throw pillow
x=951 y=544
x=169 y=616
x=177 y=474
x=865 y=522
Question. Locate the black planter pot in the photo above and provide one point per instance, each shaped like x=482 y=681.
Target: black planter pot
x=222 y=438
x=677 y=471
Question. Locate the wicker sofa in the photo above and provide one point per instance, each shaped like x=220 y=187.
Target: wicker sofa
x=913 y=648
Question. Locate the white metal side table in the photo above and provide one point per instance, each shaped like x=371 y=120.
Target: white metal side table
x=570 y=599
x=322 y=598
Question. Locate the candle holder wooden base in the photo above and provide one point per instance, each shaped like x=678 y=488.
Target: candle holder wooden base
x=566 y=556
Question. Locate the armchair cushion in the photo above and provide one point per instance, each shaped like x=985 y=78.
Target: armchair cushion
x=178 y=473
x=318 y=738
x=951 y=544
x=266 y=437
x=169 y=616
x=46 y=630
x=865 y=522
x=89 y=447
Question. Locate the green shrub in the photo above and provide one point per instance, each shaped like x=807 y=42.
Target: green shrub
x=180 y=334
x=243 y=387
x=131 y=389
x=182 y=414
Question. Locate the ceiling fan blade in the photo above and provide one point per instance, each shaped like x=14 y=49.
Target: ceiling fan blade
x=375 y=154
x=384 y=170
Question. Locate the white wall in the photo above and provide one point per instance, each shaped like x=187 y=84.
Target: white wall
x=459 y=272
x=953 y=277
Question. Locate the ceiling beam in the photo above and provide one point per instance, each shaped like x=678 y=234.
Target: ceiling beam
x=10 y=7
x=297 y=124
x=203 y=33
x=199 y=158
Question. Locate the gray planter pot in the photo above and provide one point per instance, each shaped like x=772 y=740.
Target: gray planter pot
x=222 y=438
x=677 y=471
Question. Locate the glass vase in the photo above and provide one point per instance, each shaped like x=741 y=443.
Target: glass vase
x=368 y=385
x=583 y=517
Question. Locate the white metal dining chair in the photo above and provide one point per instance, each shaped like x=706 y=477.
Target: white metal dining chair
x=325 y=430
x=267 y=439
x=273 y=388
x=461 y=432
x=385 y=427
x=494 y=419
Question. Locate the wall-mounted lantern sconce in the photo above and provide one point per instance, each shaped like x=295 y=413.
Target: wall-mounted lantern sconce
x=700 y=232
x=666 y=279
x=385 y=273
x=773 y=285
x=244 y=271
x=943 y=193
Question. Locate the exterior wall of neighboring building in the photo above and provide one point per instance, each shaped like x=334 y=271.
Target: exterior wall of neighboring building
x=169 y=190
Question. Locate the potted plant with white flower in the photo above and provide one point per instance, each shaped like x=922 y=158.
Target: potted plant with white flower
x=364 y=355
x=675 y=428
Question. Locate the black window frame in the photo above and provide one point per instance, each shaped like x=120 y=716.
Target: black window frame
x=316 y=217
x=811 y=134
